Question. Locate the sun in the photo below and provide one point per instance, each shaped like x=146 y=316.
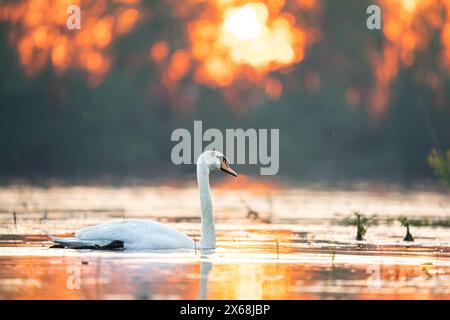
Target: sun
x=246 y=22
x=246 y=41
x=254 y=39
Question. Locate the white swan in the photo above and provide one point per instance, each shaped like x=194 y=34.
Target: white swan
x=151 y=235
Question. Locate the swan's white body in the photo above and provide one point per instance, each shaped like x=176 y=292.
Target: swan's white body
x=151 y=235
x=135 y=235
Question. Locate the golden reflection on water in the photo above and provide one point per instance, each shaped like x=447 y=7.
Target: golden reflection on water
x=303 y=253
x=228 y=274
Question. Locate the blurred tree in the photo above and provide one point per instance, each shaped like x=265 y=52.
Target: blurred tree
x=440 y=165
x=59 y=125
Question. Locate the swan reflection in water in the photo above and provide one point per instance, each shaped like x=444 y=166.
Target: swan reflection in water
x=229 y=274
x=205 y=269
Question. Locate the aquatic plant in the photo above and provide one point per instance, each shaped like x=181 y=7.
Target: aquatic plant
x=352 y=221
x=251 y=214
x=254 y=215
x=430 y=222
x=404 y=221
x=440 y=163
x=270 y=202
x=413 y=222
x=361 y=224
x=278 y=248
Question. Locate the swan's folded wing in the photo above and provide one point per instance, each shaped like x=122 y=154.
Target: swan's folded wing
x=76 y=243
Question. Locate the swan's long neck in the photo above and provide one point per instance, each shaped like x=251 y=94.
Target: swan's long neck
x=208 y=236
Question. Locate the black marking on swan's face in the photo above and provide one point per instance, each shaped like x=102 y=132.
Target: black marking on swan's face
x=224 y=166
x=215 y=160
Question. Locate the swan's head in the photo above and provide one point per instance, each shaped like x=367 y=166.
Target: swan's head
x=215 y=160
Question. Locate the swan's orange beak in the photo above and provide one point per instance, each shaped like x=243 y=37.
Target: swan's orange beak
x=226 y=168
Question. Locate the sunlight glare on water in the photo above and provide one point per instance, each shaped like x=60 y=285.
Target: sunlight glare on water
x=297 y=247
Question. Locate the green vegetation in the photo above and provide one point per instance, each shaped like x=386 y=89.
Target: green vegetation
x=352 y=220
x=428 y=222
x=404 y=221
x=441 y=165
x=361 y=223
x=415 y=222
x=425 y=222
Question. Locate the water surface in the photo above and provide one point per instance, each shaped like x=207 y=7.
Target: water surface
x=299 y=247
